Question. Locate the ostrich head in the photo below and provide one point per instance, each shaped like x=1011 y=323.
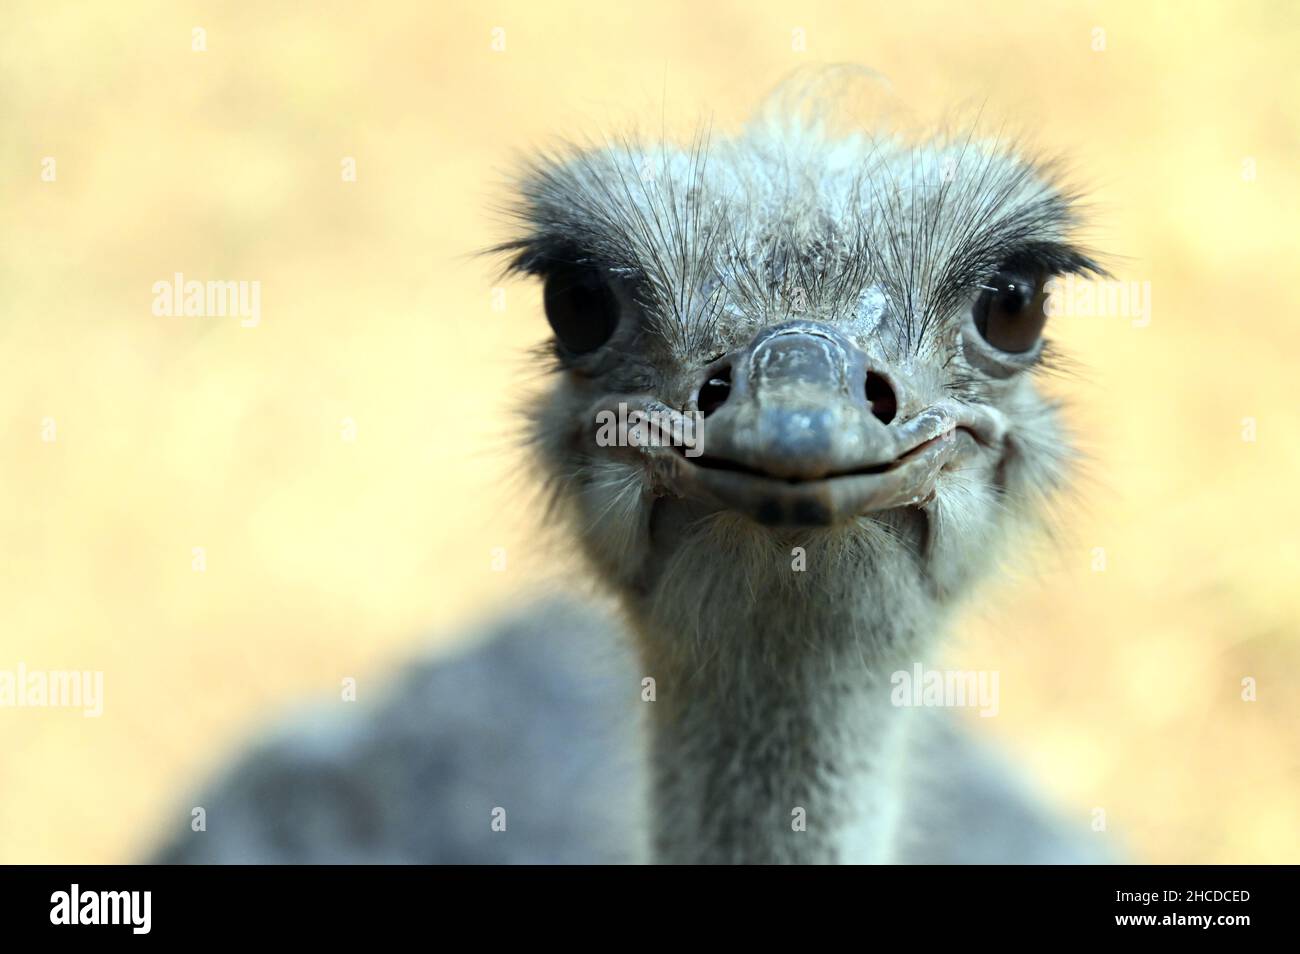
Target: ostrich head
x=854 y=324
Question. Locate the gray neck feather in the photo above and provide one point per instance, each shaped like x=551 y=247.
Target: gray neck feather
x=776 y=744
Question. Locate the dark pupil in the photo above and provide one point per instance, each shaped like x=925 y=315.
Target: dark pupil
x=581 y=308
x=1013 y=295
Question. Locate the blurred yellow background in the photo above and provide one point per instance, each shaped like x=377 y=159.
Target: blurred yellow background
x=328 y=557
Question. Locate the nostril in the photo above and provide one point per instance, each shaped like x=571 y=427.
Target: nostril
x=881 y=398
x=715 y=391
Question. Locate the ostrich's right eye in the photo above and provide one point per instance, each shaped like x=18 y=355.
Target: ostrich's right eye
x=580 y=307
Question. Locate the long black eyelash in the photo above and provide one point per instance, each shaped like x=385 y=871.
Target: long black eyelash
x=1051 y=259
x=539 y=259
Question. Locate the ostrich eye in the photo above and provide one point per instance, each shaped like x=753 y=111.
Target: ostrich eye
x=580 y=307
x=1010 y=312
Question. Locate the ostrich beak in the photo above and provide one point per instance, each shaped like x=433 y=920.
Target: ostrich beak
x=800 y=429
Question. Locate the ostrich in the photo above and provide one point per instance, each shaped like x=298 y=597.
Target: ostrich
x=853 y=324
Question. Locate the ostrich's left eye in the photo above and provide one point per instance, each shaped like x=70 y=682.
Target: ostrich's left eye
x=1011 y=312
x=580 y=307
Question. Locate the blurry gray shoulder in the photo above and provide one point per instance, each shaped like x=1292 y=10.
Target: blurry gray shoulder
x=536 y=723
x=533 y=724
x=967 y=804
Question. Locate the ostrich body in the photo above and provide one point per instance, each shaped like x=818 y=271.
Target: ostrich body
x=852 y=323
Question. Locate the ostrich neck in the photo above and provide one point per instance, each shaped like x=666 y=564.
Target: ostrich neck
x=768 y=748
